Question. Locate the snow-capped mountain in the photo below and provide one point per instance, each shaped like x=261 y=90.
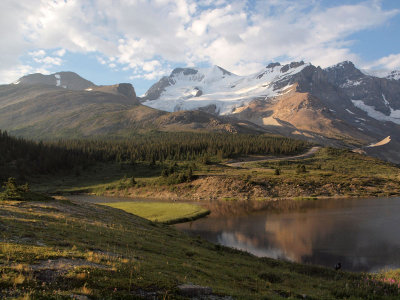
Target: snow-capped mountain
x=216 y=88
x=297 y=99
x=340 y=86
x=378 y=97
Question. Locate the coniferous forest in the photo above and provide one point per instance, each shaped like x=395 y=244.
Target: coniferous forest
x=19 y=157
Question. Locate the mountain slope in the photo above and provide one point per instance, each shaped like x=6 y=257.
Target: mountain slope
x=46 y=110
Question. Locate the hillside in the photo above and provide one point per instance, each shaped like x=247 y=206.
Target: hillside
x=45 y=111
x=66 y=249
x=65 y=105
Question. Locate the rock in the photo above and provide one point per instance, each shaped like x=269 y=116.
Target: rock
x=191 y=290
x=79 y=297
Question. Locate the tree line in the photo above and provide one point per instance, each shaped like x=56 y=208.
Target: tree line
x=182 y=146
x=19 y=157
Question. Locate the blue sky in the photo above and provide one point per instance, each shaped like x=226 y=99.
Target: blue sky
x=139 y=41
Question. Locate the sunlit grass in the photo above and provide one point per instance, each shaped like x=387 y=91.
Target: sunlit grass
x=330 y=173
x=105 y=253
x=161 y=211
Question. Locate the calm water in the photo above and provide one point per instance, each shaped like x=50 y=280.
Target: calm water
x=362 y=234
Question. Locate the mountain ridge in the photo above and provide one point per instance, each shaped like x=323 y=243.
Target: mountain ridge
x=338 y=105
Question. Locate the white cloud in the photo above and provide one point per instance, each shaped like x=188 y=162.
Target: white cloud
x=390 y=62
x=38 y=53
x=48 y=60
x=60 y=52
x=146 y=37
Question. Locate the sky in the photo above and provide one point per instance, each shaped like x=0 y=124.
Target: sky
x=139 y=41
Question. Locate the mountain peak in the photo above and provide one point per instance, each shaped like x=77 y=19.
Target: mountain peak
x=127 y=90
x=224 y=71
x=343 y=73
x=273 y=65
x=184 y=71
x=292 y=65
x=346 y=64
x=65 y=79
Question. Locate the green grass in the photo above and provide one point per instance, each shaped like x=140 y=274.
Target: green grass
x=106 y=253
x=330 y=173
x=168 y=213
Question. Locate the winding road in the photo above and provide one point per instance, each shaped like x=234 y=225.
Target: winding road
x=304 y=155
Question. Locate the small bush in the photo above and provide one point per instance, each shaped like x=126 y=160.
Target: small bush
x=301 y=169
x=270 y=277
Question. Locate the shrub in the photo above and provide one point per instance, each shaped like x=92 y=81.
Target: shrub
x=270 y=277
x=12 y=191
x=301 y=169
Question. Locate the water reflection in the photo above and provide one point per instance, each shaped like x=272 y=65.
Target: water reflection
x=363 y=234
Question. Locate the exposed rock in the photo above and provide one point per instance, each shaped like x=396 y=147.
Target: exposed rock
x=199 y=92
x=184 y=71
x=127 y=90
x=191 y=290
x=156 y=89
x=272 y=65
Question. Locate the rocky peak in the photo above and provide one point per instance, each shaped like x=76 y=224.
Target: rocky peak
x=127 y=90
x=224 y=72
x=292 y=65
x=156 y=89
x=273 y=65
x=184 y=71
x=343 y=73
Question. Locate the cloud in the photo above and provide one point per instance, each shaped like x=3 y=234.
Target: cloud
x=147 y=37
x=390 y=62
x=60 y=52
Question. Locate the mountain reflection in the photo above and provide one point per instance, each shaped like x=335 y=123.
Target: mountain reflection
x=362 y=234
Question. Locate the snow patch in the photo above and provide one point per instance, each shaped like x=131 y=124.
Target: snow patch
x=17 y=82
x=373 y=113
x=89 y=89
x=350 y=112
x=350 y=83
x=391 y=75
x=394 y=75
x=384 y=100
x=58 y=78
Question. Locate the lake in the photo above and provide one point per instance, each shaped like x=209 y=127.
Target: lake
x=362 y=234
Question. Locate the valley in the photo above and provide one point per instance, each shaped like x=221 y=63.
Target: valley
x=95 y=175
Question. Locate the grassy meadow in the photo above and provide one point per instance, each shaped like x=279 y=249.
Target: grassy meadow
x=163 y=212
x=329 y=173
x=60 y=249
x=63 y=249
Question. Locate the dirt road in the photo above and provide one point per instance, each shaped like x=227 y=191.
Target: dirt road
x=307 y=154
